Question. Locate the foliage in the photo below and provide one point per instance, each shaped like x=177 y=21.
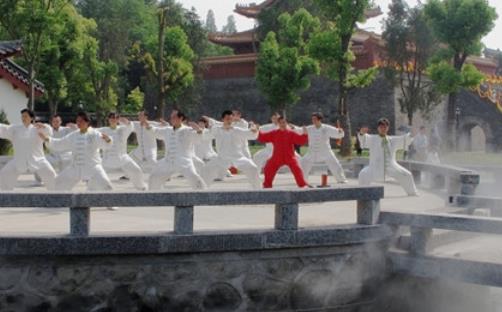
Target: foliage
x=409 y=46
x=134 y=101
x=268 y=19
x=448 y=80
x=283 y=70
x=33 y=21
x=459 y=25
x=331 y=47
x=210 y=24
x=5 y=145
x=230 y=27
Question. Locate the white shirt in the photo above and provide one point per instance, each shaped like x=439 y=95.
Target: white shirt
x=113 y=157
x=383 y=152
x=84 y=147
x=179 y=143
x=319 y=138
x=204 y=148
x=58 y=134
x=229 y=142
x=147 y=142
x=27 y=144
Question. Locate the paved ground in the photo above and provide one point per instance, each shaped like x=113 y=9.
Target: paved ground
x=27 y=221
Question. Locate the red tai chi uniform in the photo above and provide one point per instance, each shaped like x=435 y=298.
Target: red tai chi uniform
x=284 y=142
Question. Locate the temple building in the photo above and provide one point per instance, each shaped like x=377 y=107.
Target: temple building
x=14 y=82
x=368 y=48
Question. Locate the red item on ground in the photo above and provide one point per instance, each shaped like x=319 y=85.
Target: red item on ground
x=324 y=180
x=233 y=170
x=284 y=142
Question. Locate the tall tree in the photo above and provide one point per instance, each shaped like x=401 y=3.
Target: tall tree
x=283 y=69
x=210 y=24
x=33 y=21
x=230 y=27
x=460 y=25
x=332 y=48
x=64 y=56
x=409 y=45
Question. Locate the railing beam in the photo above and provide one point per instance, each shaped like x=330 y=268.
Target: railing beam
x=368 y=211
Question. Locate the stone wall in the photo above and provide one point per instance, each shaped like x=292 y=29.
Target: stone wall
x=366 y=105
x=342 y=278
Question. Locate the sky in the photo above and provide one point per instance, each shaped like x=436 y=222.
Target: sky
x=223 y=8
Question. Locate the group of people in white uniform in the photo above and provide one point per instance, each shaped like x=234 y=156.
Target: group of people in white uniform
x=79 y=152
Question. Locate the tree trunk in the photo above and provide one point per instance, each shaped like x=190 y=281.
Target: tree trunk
x=161 y=105
x=451 y=122
x=31 y=95
x=53 y=106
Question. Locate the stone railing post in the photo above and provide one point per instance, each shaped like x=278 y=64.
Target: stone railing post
x=80 y=221
x=419 y=240
x=183 y=220
x=368 y=211
x=286 y=216
x=468 y=183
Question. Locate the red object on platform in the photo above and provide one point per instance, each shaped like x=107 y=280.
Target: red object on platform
x=324 y=180
x=233 y=170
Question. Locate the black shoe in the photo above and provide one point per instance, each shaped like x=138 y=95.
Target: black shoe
x=124 y=178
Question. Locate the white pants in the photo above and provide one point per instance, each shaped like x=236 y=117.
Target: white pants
x=132 y=170
x=59 y=161
x=164 y=170
x=402 y=176
x=96 y=177
x=217 y=165
x=261 y=157
x=146 y=164
x=198 y=163
x=10 y=173
x=329 y=160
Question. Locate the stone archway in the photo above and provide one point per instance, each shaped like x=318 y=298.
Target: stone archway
x=473 y=135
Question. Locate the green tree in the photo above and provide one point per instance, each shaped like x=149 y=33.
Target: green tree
x=332 y=48
x=63 y=57
x=5 y=145
x=33 y=21
x=460 y=25
x=409 y=45
x=230 y=27
x=134 y=101
x=283 y=69
x=210 y=24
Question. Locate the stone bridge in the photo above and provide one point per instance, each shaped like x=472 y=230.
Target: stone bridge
x=387 y=258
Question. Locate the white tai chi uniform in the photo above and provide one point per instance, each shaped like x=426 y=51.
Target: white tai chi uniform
x=179 y=158
x=320 y=150
x=261 y=157
x=86 y=161
x=241 y=123
x=116 y=158
x=204 y=148
x=28 y=155
x=420 y=143
x=60 y=160
x=145 y=154
x=229 y=146
x=383 y=161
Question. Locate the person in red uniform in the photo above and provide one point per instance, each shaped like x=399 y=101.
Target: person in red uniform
x=283 y=140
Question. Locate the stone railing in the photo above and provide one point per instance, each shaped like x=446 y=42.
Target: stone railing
x=420 y=262
x=493 y=204
x=455 y=180
x=183 y=239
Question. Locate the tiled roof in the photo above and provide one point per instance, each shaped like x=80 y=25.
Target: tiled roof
x=18 y=76
x=10 y=48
